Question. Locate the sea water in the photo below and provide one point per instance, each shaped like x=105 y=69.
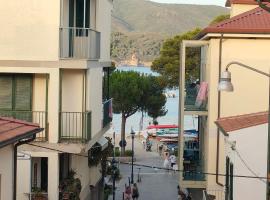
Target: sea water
x=171 y=117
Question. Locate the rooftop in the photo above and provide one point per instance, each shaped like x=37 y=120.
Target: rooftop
x=229 y=124
x=255 y=21
x=248 y=2
x=12 y=130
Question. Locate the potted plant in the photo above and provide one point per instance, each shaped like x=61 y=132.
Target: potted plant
x=37 y=194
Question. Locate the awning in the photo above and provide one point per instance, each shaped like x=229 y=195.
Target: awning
x=103 y=142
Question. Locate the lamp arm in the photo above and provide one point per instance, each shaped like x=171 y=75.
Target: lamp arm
x=247 y=67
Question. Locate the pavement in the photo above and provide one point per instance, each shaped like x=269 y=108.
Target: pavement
x=155 y=184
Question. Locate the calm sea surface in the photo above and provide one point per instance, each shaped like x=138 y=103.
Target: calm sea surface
x=170 y=118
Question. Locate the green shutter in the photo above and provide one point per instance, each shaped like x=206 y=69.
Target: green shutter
x=5 y=92
x=23 y=92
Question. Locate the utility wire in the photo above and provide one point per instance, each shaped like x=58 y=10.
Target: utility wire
x=162 y=168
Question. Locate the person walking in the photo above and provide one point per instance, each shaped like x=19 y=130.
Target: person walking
x=135 y=192
x=172 y=160
x=166 y=163
x=127 y=193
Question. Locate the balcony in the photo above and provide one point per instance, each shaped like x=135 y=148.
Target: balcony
x=39 y=117
x=75 y=127
x=79 y=43
x=107 y=112
x=196 y=97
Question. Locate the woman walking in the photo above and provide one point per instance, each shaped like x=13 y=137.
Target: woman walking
x=135 y=192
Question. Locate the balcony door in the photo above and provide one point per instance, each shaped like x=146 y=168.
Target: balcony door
x=16 y=96
x=79 y=13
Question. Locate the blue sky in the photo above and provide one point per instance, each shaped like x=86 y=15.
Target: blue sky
x=208 y=2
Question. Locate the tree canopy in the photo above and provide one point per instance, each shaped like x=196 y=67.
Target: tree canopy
x=219 y=18
x=168 y=62
x=132 y=92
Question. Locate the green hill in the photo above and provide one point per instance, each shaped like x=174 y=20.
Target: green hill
x=141 y=26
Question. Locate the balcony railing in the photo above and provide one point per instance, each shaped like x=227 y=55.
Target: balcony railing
x=213 y=194
x=196 y=97
x=107 y=112
x=79 y=43
x=38 y=117
x=75 y=127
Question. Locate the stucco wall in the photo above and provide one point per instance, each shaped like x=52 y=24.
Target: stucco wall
x=237 y=9
x=31 y=30
x=24 y=176
x=251 y=89
x=94 y=97
x=6 y=172
x=104 y=9
x=251 y=143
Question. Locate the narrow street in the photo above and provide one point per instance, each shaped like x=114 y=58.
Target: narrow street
x=155 y=184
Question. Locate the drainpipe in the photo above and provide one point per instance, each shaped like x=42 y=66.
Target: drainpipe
x=15 y=162
x=219 y=99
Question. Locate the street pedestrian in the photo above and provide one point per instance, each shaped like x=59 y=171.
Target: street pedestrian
x=127 y=195
x=135 y=192
x=166 y=163
x=181 y=194
x=172 y=160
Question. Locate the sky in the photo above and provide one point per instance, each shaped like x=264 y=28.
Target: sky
x=208 y=2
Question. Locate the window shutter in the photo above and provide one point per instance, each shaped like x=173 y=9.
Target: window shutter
x=5 y=92
x=23 y=93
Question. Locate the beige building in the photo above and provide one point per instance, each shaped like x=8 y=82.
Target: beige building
x=54 y=59
x=245 y=38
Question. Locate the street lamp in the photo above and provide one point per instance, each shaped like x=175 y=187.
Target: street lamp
x=132 y=159
x=225 y=84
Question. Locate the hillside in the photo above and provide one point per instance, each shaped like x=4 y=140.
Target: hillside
x=141 y=26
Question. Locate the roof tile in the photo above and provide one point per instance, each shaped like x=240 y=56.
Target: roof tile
x=229 y=124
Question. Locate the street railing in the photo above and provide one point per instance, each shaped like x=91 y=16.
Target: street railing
x=38 y=117
x=107 y=112
x=79 y=43
x=75 y=127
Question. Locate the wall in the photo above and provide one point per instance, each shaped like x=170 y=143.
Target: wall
x=104 y=26
x=94 y=97
x=251 y=143
x=237 y=9
x=88 y=176
x=31 y=30
x=6 y=172
x=251 y=89
x=23 y=181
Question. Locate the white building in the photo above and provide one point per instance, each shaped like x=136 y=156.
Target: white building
x=53 y=57
x=246 y=141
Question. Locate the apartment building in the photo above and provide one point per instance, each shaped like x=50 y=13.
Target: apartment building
x=245 y=38
x=54 y=62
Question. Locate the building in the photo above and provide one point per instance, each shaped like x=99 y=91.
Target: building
x=54 y=61
x=244 y=38
x=246 y=139
x=13 y=133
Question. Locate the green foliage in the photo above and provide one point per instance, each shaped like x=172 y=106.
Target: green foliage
x=128 y=153
x=71 y=187
x=220 y=18
x=168 y=62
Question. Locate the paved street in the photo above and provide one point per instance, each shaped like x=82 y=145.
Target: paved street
x=155 y=184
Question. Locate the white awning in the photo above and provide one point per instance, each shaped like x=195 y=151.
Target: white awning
x=103 y=142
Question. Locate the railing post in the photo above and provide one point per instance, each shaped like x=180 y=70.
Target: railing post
x=89 y=125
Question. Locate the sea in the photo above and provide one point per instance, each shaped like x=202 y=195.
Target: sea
x=134 y=121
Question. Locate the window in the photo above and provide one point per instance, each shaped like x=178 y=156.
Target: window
x=16 y=95
x=78 y=16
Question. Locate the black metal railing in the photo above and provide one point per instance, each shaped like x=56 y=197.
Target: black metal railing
x=75 y=127
x=38 y=117
x=107 y=112
x=79 y=43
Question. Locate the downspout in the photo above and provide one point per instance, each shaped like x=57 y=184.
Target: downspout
x=219 y=100
x=15 y=162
